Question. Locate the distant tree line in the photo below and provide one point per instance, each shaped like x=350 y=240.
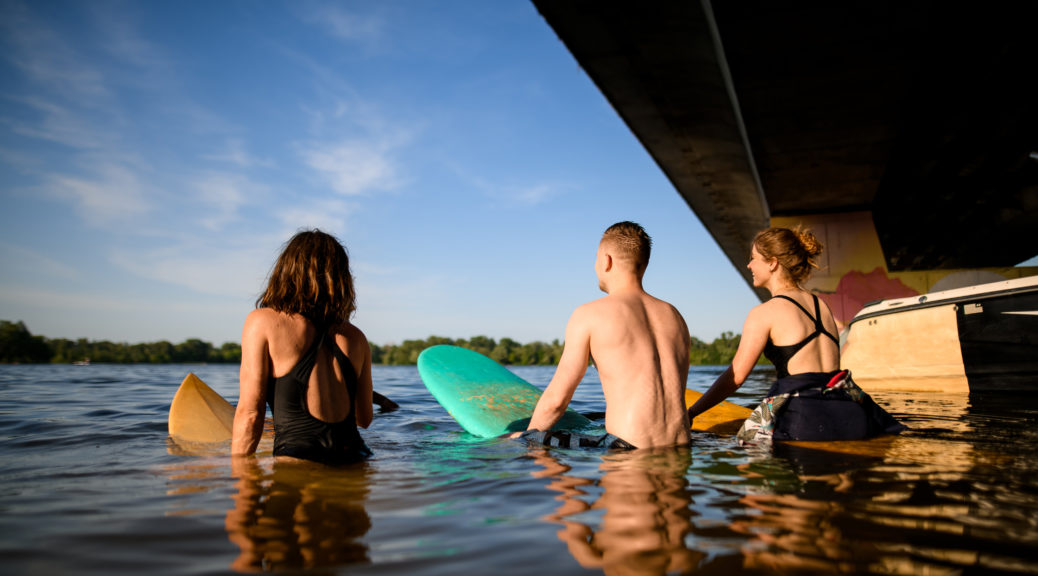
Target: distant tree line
x=508 y=351
x=505 y=351
x=18 y=345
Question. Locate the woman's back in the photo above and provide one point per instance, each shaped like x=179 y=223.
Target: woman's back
x=312 y=396
x=798 y=342
x=290 y=337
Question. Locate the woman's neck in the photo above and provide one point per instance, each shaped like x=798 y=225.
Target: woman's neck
x=781 y=286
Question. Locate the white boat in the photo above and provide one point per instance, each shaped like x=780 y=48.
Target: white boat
x=978 y=338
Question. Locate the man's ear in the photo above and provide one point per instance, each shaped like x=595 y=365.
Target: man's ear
x=607 y=265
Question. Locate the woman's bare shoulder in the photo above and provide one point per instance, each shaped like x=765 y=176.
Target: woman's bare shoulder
x=765 y=309
x=350 y=337
x=261 y=319
x=349 y=330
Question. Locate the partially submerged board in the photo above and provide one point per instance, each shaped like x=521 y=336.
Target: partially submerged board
x=199 y=414
x=488 y=400
x=724 y=418
x=484 y=397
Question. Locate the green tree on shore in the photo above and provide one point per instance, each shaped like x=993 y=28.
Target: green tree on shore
x=17 y=344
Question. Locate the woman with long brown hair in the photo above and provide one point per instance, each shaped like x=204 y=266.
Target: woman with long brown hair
x=301 y=354
x=798 y=334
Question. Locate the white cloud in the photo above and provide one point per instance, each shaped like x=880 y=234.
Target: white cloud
x=532 y=195
x=46 y=58
x=234 y=152
x=225 y=271
x=341 y=23
x=512 y=195
x=57 y=123
x=220 y=196
x=115 y=195
x=353 y=167
x=117 y=25
x=328 y=214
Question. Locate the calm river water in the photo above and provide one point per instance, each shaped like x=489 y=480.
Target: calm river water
x=90 y=484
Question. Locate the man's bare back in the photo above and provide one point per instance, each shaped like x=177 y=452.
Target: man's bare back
x=640 y=346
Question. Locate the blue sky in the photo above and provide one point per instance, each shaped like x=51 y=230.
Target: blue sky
x=155 y=156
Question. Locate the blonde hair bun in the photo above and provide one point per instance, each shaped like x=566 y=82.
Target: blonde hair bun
x=808 y=241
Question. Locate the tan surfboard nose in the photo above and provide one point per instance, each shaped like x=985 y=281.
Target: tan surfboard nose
x=199 y=414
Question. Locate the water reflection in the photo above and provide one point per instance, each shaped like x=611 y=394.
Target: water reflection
x=643 y=503
x=796 y=507
x=920 y=502
x=298 y=515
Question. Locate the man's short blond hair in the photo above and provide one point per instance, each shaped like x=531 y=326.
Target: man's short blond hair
x=631 y=243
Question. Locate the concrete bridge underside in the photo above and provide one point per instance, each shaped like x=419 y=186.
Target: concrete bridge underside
x=915 y=122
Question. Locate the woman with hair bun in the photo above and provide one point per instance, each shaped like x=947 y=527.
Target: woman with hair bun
x=812 y=399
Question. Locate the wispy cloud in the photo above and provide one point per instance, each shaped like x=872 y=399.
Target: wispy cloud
x=43 y=119
x=118 y=26
x=353 y=167
x=354 y=146
x=533 y=195
x=329 y=214
x=231 y=270
x=341 y=23
x=514 y=195
x=23 y=262
x=220 y=196
x=113 y=194
x=73 y=91
x=44 y=56
x=235 y=152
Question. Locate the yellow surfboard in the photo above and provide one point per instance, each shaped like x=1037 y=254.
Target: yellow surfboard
x=198 y=414
x=725 y=418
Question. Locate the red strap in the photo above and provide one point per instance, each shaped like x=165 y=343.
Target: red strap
x=836 y=379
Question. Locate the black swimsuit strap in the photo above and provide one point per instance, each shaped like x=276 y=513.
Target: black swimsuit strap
x=306 y=362
x=817 y=318
x=799 y=305
x=818 y=321
x=351 y=383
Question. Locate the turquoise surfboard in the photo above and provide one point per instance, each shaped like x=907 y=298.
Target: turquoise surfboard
x=484 y=397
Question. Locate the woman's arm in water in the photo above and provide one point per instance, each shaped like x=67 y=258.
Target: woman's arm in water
x=255 y=371
x=754 y=337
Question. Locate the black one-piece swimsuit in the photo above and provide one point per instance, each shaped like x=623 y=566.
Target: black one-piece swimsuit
x=296 y=432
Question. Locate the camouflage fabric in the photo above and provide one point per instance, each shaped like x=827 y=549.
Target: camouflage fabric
x=760 y=426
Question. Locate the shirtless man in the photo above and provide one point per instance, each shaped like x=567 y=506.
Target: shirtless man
x=639 y=344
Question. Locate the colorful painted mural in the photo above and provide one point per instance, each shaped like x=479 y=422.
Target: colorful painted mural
x=853 y=272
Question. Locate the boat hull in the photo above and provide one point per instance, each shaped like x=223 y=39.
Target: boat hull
x=975 y=339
